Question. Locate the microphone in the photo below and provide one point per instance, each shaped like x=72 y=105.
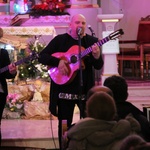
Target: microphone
x=92 y=31
x=79 y=30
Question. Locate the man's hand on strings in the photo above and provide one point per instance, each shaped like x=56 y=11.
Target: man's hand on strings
x=96 y=51
x=62 y=66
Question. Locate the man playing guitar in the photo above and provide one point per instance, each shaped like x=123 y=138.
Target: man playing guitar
x=62 y=57
x=9 y=74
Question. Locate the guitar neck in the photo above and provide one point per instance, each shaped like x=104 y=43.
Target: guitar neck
x=99 y=43
x=16 y=64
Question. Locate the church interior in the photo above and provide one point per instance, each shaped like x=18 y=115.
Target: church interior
x=30 y=25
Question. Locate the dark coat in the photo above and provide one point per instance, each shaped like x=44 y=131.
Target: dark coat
x=125 y=108
x=94 y=134
x=62 y=43
x=5 y=61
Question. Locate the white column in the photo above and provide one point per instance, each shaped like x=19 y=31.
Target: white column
x=111 y=48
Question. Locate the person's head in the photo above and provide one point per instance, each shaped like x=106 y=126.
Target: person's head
x=99 y=88
x=101 y=105
x=119 y=87
x=77 y=20
x=134 y=142
x=1 y=32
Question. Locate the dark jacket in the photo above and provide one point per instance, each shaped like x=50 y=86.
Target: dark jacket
x=94 y=134
x=125 y=108
x=63 y=43
x=4 y=62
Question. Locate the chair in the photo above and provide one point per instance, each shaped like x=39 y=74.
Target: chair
x=136 y=54
x=147 y=60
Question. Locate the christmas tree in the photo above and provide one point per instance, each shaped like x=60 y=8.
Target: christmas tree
x=32 y=69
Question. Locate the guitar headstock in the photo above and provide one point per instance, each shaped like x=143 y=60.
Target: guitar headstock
x=116 y=34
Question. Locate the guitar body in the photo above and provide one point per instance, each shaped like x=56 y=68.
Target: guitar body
x=72 y=57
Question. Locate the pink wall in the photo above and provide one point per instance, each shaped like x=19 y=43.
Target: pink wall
x=133 y=10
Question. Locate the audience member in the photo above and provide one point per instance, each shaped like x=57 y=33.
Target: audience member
x=99 y=131
x=134 y=142
x=61 y=54
x=8 y=74
x=119 y=87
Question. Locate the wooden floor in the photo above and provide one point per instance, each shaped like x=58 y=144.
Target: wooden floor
x=43 y=133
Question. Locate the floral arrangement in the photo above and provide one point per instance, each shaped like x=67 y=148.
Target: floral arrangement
x=48 y=7
x=13 y=102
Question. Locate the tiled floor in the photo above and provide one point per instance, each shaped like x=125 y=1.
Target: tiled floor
x=32 y=133
x=43 y=133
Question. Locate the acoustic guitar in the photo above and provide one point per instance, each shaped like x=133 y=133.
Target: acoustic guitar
x=32 y=56
x=72 y=56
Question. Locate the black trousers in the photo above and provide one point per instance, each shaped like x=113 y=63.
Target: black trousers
x=65 y=112
x=2 y=106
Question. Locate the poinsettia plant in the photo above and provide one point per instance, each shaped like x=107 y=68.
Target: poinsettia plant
x=48 y=7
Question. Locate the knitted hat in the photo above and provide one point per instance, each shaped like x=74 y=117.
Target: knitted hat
x=98 y=89
x=101 y=106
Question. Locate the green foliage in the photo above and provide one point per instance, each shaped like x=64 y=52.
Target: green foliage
x=32 y=69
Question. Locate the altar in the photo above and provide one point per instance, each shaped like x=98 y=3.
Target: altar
x=29 y=99
x=45 y=27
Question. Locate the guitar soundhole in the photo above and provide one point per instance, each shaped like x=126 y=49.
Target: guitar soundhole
x=73 y=59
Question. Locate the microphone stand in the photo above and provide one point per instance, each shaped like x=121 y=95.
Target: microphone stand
x=80 y=79
x=92 y=31
x=93 y=34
